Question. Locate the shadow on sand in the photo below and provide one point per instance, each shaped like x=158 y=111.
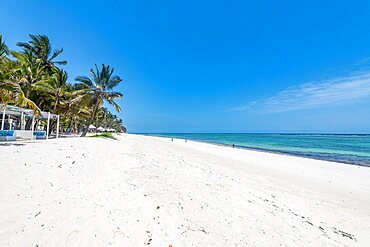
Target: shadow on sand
x=8 y=144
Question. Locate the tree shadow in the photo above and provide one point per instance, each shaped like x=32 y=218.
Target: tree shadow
x=8 y=144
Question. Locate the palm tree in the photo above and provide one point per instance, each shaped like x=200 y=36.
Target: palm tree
x=10 y=90
x=99 y=89
x=54 y=87
x=13 y=93
x=106 y=119
x=41 y=48
x=30 y=78
x=4 y=72
x=27 y=71
x=3 y=47
x=71 y=107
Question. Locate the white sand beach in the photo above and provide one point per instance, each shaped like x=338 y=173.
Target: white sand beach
x=142 y=190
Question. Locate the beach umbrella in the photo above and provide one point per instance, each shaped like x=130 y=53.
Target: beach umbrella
x=92 y=126
x=100 y=128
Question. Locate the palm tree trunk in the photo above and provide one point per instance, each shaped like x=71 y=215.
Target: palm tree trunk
x=56 y=104
x=52 y=125
x=91 y=119
x=70 y=125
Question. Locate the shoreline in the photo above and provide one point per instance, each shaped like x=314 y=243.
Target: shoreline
x=288 y=153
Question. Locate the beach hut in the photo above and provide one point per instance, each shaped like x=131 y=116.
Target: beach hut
x=21 y=122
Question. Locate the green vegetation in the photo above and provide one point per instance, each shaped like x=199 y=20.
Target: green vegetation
x=105 y=135
x=31 y=78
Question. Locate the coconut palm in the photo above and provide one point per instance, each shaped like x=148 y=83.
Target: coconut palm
x=108 y=120
x=41 y=48
x=12 y=93
x=27 y=71
x=3 y=59
x=3 y=47
x=54 y=87
x=99 y=89
x=29 y=78
x=71 y=107
x=10 y=90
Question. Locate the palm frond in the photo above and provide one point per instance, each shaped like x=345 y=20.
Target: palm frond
x=85 y=80
x=113 y=82
x=3 y=47
x=112 y=95
x=112 y=102
x=56 y=53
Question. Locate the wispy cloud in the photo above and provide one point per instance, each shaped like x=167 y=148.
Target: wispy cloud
x=335 y=91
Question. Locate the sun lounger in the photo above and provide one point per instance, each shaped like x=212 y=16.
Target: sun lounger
x=7 y=135
x=39 y=134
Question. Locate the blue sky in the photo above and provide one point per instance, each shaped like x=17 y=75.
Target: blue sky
x=216 y=66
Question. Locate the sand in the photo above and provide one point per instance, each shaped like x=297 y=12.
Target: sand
x=142 y=190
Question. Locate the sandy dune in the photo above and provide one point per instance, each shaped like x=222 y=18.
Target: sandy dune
x=150 y=191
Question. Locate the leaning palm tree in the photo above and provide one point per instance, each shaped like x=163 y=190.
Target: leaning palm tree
x=27 y=71
x=98 y=90
x=54 y=87
x=40 y=46
x=12 y=93
x=4 y=60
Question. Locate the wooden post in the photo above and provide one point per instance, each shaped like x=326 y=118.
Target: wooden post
x=3 y=122
x=57 y=126
x=22 y=122
x=33 y=126
x=47 y=126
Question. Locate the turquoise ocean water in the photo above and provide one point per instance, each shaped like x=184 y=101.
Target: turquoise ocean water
x=345 y=148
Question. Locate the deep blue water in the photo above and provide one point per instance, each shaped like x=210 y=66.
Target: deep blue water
x=345 y=148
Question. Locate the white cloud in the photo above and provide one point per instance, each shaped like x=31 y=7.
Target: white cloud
x=336 y=91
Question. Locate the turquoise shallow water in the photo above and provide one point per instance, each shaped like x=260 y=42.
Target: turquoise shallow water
x=345 y=148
